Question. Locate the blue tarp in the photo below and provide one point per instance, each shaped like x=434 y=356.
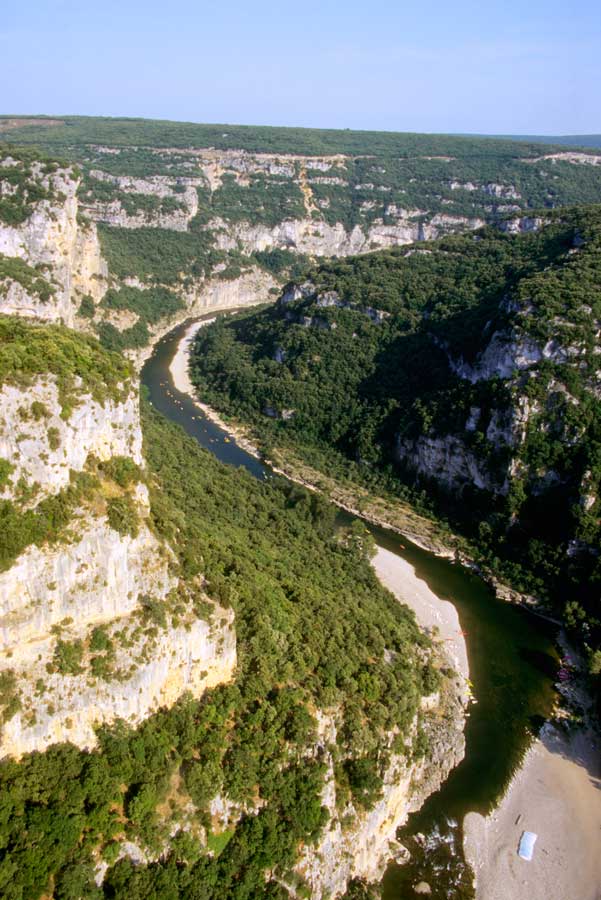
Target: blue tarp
x=527 y=842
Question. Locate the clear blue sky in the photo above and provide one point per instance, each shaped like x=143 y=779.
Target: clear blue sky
x=506 y=66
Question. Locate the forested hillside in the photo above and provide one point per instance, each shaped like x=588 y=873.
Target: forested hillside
x=467 y=368
x=67 y=131
x=220 y=794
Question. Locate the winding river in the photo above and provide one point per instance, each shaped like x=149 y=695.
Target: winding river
x=512 y=662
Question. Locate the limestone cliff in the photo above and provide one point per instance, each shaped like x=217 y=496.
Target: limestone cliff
x=320 y=238
x=173 y=204
x=102 y=429
x=358 y=843
x=70 y=437
x=252 y=287
x=49 y=236
x=94 y=623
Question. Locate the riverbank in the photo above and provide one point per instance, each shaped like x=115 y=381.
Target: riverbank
x=213 y=296
x=358 y=502
x=437 y=617
x=179 y=369
x=556 y=794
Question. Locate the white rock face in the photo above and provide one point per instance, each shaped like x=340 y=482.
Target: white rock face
x=91 y=576
x=463 y=186
x=575 y=157
x=89 y=271
x=322 y=239
x=192 y=657
x=252 y=287
x=507 y=354
x=161 y=186
x=448 y=460
x=503 y=191
x=362 y=849
x=522 y=224
x=241 y=164
x=43 y=451
x=359 y=844
x=52 y=237
x=218 y=293
x=14 y=299
x=98 y=577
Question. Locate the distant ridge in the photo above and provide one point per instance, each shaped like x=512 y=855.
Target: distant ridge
x=570 y=140
x=59 y=134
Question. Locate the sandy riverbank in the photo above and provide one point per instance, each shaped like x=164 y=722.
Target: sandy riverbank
x=557 y=795
x=179 y=369
x=438 y=617
x=181 y=360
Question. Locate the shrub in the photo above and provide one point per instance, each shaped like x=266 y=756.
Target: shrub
x=123 y=516
x=68 y=656
x=6 y=468
x=54 y=438
x=121 y=469
x=87 y=307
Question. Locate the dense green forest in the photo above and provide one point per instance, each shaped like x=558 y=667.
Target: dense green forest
x=382 y=352
x=315 y=630
x=27 y=352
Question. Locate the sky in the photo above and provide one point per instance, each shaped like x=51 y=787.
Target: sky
x=497 y=67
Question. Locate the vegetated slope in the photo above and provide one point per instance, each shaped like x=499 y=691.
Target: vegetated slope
x=466 y=367
x=52 y=267
x=367 y=175
x=219 y=794
x=213 y=605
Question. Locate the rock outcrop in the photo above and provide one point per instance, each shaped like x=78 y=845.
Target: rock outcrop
x=53 y=239
x=175 y=203
x=319 y=238
x=358 y=843
x=449 y=461
x=250 y=288
x=44 y=446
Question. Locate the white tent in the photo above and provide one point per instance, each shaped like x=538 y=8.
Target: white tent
x=527 y=842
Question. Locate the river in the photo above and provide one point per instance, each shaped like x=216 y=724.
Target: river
x=512 y=661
